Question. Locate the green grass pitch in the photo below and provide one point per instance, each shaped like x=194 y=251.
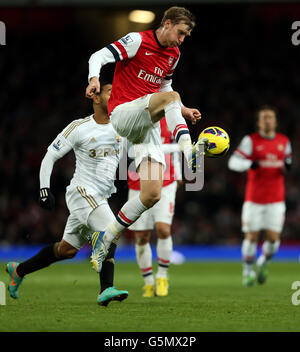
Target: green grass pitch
x=202 y=297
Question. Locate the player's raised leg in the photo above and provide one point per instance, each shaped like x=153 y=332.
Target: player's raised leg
x=144 y=259
x=169 y=104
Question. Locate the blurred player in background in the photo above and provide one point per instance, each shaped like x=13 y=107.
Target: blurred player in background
x=142 y=95
x=265 y=155
x=160 y=217
x=97 y=150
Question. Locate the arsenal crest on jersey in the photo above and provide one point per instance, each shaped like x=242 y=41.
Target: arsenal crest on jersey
x=171 y=60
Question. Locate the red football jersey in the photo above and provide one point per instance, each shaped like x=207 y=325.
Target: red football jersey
x=169 y=174
x=142 y=63
x=265 y=184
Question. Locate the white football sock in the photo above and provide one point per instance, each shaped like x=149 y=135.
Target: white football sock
x=248 y=254
x=144 y=260
x=164 y=250
x=268 y=250
x=128 y=214
x=178 y=127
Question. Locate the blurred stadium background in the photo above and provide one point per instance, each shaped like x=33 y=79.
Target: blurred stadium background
x=239 y=57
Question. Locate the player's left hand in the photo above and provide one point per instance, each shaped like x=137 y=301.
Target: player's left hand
x=93 y=88
x=191 y=114
x=46 y=199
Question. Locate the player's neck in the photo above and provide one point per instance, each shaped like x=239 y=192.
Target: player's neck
x=101 y=117
x=267 y=134
x=160 y=37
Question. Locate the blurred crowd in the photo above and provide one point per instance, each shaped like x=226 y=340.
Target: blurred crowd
x=238 y=58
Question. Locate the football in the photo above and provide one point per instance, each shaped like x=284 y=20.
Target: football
x=219 y=142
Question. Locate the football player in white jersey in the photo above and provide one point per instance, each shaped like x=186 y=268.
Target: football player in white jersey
x=97 y=150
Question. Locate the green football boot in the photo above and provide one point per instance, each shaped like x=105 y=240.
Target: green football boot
x=111 y=294
x=249 y=279
x=262 y=273
x=15 y=280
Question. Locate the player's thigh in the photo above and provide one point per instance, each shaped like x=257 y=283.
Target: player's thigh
x=151 y=175
x=272 y=236
x=75 y=233
x=146 y=221
x=274 y=217
x=252 y=217
x=159 y=101
x=132 y=119
x=163 y=211
x=81 y=202
x=100 y=218
x=66 y=250
x=252 y=236
x=163 y=230
x=150 y=170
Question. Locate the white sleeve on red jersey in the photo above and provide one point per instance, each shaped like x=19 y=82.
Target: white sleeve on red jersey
x=124 y=48
x=245 y=148
x=239 y=161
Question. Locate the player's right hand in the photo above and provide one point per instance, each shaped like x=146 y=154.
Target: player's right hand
x=92 y=88
x=46 y=200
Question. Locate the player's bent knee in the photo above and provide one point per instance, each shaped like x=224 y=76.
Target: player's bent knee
x=171 y=97
x=153 y=198
x=163 y=233
x=142 y=237
x=252 y=236
x=66 y=251
x=150 y=197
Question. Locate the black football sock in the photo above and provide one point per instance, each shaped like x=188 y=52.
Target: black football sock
x=42 y=259
x=108 y=269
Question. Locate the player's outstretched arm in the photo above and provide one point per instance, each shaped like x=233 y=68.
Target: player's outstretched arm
x=122 y=49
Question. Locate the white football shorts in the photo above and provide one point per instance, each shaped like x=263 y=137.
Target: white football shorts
x=133 y=121
x=257 y=217
x=162 y=211
x=87 y=214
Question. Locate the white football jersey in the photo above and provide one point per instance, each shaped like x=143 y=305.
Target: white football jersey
x=97 y=151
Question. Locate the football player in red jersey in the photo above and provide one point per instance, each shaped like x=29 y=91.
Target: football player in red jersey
x=264 y=155
x=141 y=96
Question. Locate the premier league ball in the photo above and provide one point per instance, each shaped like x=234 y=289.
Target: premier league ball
x=219 y=142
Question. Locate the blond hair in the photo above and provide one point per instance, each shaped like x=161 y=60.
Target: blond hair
x=179 y=14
